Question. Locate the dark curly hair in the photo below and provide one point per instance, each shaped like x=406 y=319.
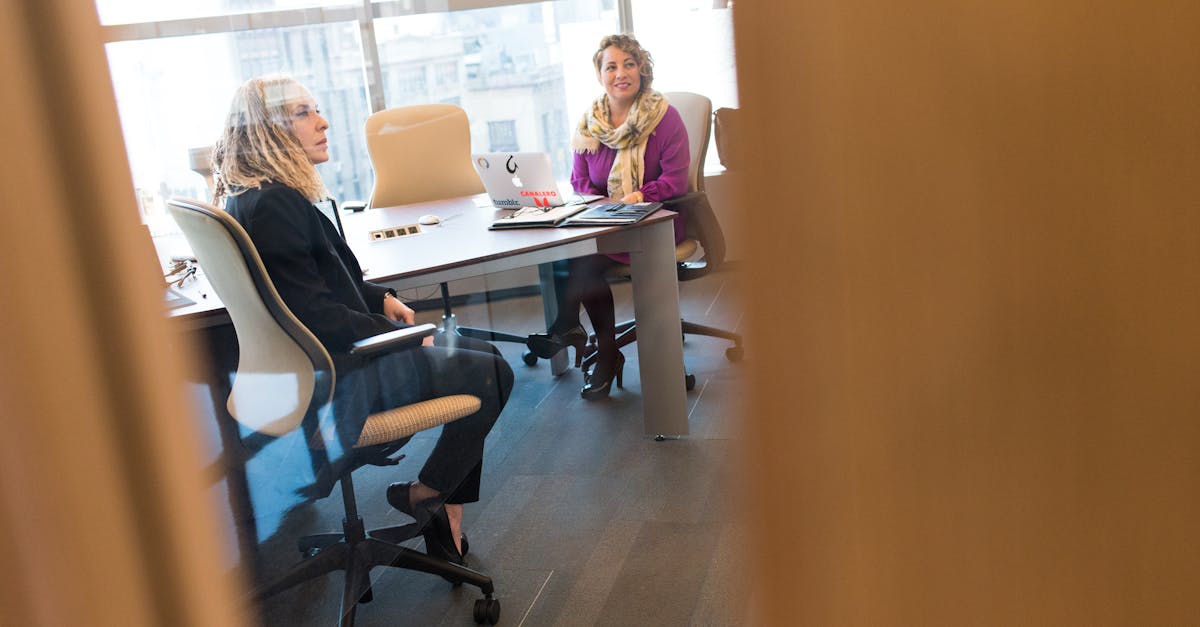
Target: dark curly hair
x=632 y=48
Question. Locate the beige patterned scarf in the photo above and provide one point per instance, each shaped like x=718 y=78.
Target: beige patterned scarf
x=628 y=139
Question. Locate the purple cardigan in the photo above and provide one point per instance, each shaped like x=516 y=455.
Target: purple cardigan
x=667 y=161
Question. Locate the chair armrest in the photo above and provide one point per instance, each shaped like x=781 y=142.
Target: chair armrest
x=354 y=206
x=408 y=337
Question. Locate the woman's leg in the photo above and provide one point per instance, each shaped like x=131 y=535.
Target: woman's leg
x=587 y=282
x=568 y=300
x=565 y=330
x=460 y=365
x=455 y=365
x=588 y=274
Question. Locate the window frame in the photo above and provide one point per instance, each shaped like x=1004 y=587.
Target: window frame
x=364 y=13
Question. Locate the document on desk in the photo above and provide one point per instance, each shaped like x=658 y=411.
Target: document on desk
x=613 y=213
x=537 y=217
x=176 y=299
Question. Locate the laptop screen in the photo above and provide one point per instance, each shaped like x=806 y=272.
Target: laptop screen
x=518 y=179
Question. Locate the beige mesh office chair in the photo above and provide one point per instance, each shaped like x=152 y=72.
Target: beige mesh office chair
x=284 y=377
x=703 y=232
x=421 y=153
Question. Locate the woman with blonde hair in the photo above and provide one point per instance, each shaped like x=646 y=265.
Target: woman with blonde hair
x=267 y=180
x=632 y=146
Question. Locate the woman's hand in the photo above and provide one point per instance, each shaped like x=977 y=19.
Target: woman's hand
x=398 y=311
x=632 y=198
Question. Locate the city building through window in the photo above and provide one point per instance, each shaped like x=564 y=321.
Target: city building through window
x=522 y=71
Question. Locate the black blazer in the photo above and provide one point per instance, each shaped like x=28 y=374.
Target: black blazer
x=313 y=269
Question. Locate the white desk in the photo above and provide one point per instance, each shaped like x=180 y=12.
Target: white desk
x=462 y=247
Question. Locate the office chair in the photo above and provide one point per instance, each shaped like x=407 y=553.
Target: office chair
x=703 y=231
x=421 y=153
x=275 y=346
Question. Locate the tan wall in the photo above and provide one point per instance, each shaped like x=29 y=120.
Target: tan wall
x=974 y=373
x=733 y=213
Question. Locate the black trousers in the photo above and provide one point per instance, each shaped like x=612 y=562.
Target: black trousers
x=583 y=281
x=454 y=365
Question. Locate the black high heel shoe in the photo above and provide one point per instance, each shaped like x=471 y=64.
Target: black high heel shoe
x=439 y=542
x=547 y=345
x=398 y=497
x=597 y=385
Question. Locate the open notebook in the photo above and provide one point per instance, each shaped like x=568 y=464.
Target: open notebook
x=608 y=214
x=537 y=217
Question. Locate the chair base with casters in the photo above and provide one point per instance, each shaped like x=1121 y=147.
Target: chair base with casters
x=355 y=550
x=450 y=325
x=627 y=334
x=626 y=331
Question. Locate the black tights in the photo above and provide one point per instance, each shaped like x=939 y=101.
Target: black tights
x=585 y=284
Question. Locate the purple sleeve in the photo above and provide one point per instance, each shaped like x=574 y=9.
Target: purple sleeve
x=581 y=180
x=674 y=160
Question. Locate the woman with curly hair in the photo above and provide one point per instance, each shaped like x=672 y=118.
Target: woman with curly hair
x=632 y=146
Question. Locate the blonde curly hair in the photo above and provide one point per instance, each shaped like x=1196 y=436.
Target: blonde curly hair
x=258 y=146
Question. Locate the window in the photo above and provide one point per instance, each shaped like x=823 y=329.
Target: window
x=173 y=94
x=522 y=64
x=409 y=83
x=692 y=45
x=556 y=134
x=447 y=73
x=134 y=11
x=522 y=71
x=502 y=136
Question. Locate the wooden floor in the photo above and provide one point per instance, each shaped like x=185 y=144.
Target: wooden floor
x=583 y=519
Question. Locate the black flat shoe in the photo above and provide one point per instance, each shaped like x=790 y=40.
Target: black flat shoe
x=599 y=383
x=547 y=345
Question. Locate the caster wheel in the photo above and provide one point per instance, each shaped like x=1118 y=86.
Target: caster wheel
x=529 y=358
x=733 y=353
x=487 y=611
x=689 y=382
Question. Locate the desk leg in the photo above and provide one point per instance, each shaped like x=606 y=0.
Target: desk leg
x=222 y=359
x=659 y=335
x=558 y=363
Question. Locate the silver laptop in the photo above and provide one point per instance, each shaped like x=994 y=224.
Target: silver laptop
x=518 y=179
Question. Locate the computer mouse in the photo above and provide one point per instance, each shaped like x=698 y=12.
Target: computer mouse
x=429 y=219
